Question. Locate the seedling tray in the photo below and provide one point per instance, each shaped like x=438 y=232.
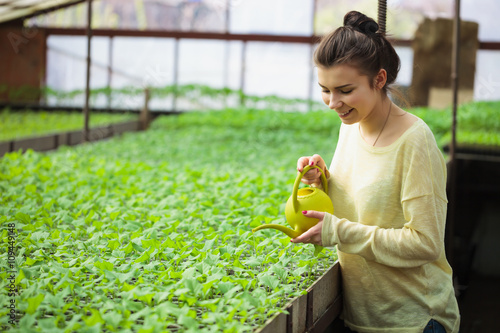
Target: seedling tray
x=312 y=312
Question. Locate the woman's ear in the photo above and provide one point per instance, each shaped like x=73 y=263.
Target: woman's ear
x=381 y=79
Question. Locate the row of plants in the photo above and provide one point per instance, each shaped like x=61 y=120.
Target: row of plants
x=27 y=123
x=478 y=122
x=151 y=231
x=192 y=96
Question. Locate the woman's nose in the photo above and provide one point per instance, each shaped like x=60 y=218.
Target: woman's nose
x=334 y=103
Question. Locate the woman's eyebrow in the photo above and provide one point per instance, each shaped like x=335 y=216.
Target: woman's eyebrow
x=339 y=87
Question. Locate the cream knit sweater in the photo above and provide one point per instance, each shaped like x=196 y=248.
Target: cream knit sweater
x=389 y=223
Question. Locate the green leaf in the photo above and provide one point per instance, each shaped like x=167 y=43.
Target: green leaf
x=317 y=250
x=104 y=265
x=194 y=286
x=34 y=303
x=188 y=322
x=113 y=244
x=26 y=322
x=144 y=257
x=112 y=318
x=269 y=281
x=30 y=262
x=30 y=188
x=190 y=272
x=55 y=301
x=23 y=218
x=94 y=319
x=224 y=287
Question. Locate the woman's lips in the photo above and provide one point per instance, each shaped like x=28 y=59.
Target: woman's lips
x=345 y=114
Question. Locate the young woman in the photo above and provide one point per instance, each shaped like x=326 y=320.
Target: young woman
x=387 y=182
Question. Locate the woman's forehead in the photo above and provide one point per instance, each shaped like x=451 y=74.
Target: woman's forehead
x=339 y=75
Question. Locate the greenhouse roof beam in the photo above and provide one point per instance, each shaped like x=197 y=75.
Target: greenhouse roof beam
x=12 y=10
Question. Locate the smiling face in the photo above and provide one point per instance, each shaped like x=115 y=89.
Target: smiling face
x=350 y=93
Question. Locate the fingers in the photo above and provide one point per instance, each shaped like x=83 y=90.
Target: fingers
x=304 y=238
x=310 y=160
x=302 y=162
x=317 y=160
x=313 y=235
x=311 y=177
x=314 y=214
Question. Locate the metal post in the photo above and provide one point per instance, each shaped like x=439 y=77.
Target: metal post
x=176 y=73
x=43 y=78
x=382 y=15
x=86 y=112
x=455 y=62
x=110 y=70
x=242 y=75
x=454 y=77
x=227 y=53
x=145 y=115
x=311 y=71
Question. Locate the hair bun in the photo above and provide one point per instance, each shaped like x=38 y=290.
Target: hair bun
x=360 y=22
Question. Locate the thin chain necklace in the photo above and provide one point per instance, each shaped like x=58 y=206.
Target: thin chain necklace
x=387 y=118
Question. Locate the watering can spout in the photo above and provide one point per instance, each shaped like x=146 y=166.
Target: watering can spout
x=289 y=232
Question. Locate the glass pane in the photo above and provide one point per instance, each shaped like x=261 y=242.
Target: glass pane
x=67 y=66
x=277 y=17
x=487 y=82
x=278 y=69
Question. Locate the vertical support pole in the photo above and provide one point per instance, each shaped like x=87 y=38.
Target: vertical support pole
x=242 y=74
x=455 y=65
x=311 y=68
x=86 y=111
x=227 y=53
x=110 y=70
x=176 y=73
x=43 y=78
x=382 y=15
x=145 y=116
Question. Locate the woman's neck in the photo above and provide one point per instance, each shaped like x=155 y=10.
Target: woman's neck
x=373 y=125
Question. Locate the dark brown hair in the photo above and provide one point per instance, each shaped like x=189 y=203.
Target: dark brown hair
x=359 y=43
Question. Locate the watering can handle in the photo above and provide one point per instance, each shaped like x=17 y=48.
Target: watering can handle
x=297 y=183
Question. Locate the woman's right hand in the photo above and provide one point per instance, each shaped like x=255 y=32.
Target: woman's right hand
x=312 y=177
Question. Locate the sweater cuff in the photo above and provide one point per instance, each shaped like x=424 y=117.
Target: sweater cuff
x=328 y=231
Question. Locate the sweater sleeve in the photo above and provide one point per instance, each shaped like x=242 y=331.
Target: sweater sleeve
x=419 y=241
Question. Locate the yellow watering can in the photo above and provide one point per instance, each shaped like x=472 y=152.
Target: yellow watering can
x=308 y=198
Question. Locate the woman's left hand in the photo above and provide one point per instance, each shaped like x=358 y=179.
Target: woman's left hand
x=313 y=235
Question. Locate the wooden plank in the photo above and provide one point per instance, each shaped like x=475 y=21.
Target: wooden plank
x=42 y=143
x=184 y=34
x=71 y=138
x=324 y=300
x=483 y=45
x=276 y=324
x=310 y=309
x=328 y=317
x=327 y=290
x=5 y=147
x=100 y=133
x=297 y=312
x=489 y=45
x=125 y=127
x=75 y=138
x=62 y=139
